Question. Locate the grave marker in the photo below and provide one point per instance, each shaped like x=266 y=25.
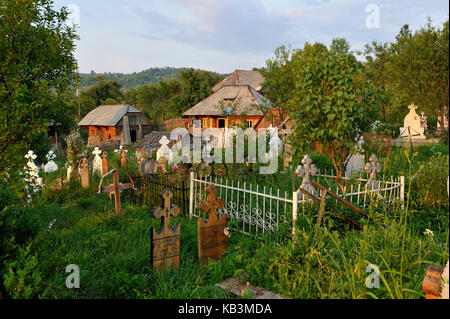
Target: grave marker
x=123 y=161
x=97 y=162
x=165 y=244
x=372 y=168
x=307 y=170
x=115 y=188
x=84 y=172
x=212 y=237
x=104 y=162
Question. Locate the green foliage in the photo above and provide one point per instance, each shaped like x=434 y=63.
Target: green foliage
x=37 y=70
x=414 y=68
x=337 y=102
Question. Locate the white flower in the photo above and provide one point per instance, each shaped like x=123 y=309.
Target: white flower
x=428 y=232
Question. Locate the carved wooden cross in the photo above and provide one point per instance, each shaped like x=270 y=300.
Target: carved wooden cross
x=212 y=204
x=166 y=212
x=115 y=188
x=372 y=168
x=306 y=171
x=165 y=244
x=212 y=235
x=104 y=162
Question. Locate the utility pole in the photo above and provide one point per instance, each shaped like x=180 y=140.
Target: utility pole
x=78 y=95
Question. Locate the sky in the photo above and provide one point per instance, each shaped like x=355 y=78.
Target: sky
x=224 y=35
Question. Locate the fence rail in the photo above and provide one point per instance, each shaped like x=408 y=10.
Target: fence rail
x=255 y=211
x=149 y=188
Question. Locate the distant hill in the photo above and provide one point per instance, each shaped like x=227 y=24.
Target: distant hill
x=133 y=80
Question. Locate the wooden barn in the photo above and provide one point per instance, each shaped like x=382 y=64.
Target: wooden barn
x=119 y=123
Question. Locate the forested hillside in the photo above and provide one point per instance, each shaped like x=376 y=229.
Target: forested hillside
x=133 y=80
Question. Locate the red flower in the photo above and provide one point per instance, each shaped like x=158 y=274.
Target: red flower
x=220 y=171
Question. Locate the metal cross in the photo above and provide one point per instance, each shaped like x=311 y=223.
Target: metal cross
x=212 y=204
x=306 y=171
x=372 y=168
x=166 y=212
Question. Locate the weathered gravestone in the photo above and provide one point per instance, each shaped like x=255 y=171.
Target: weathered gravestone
x=104 y=162
x=165 y=244
x=355 y=163
x=84 y=172
x=212 y=235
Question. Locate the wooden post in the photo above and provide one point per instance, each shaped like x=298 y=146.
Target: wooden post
x=104 y=162
x=294 y=210
x=117 y=192
x=191 y=195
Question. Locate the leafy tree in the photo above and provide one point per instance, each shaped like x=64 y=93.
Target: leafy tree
x=37 y=70
x=420 y=67
x=333 y=105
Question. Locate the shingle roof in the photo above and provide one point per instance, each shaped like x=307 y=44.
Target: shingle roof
x=246 y=98
x=107 y=115
x=242 y=77
x=151 y=141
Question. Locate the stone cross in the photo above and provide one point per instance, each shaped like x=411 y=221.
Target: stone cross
x=104 y=162
x=97 y=162
x=212 y=235
x=372 y=168
x=84 y=168
x=165 y=244
x=305 y=171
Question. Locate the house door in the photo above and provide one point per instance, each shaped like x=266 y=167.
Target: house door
x=222 y=123
x=133 y=136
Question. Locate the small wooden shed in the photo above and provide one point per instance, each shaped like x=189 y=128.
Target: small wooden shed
x=122 y=123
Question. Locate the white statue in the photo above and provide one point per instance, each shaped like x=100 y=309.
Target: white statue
x=412 y=125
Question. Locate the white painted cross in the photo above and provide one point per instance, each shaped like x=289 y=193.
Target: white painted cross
x=97 y=162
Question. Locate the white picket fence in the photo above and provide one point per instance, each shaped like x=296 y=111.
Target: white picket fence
x=255 y=210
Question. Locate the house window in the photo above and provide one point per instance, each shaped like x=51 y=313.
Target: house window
x=248 y=123
x=221 y=123
x=206 y=123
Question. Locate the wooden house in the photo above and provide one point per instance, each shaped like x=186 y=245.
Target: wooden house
x=236 y=101
x=120 y=123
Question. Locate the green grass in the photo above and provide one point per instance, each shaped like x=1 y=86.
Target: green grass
x=113 y=252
